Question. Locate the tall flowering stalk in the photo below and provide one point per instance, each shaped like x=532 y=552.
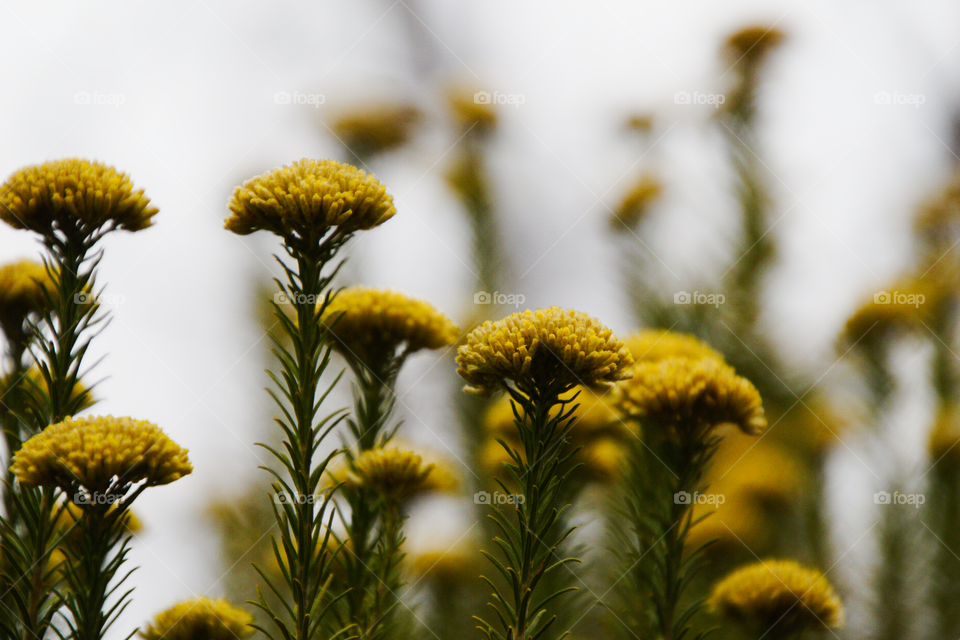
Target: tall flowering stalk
x=681 y=392
x=71 y=203
x=315 y=207
x=537 y=357
x=375 y=330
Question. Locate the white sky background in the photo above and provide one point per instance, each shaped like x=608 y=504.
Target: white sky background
x=198 y=116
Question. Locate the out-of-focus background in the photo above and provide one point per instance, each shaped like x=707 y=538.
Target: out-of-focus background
x=856 y=124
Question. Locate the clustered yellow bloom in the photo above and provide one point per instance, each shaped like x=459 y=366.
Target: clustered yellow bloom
x=22 y=286
x=752 y=43
x=780 y=595
x=200 y=619
x=914 y=306
x=371 y=324
x=393 y=474
x=307 y=198
x=689 y=394
x=635 y=204
x=548 y=345
x=63 y=193
x=378 y=128
x=470 y=115
x=653 y=345
x=93 y=451
x=35 y=386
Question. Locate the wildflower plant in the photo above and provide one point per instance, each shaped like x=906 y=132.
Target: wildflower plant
x=536 y=357
x=315 y=206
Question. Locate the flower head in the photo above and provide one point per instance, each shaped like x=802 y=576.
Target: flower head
x=751 y=44
x=470 y=114
x=200 y=619
x=378 y=128
x=780 y=595
x=98 y=453
x=636 y=203
x=307 y=198
x=653 y=345
x=393 y=474
x=24 y=289
x=371 y=324
x=686 y=393
x=548 y=346
x=73 y=191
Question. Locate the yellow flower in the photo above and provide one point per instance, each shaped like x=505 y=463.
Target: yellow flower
x=909 y=304
x=393 y=474
x=471 y=115
x=751 y=44
x=99 y=453
x=552 y=345
x=780 y=595
x=35 y=385
x=377 y=129
x=635 y=204
x=944 y=439
x=305 y=199
x=689 y=395
x=63 y=193
x=200 y=619
x=446 y=565
x=371 y=324
x=22 y=286
x=653 y=345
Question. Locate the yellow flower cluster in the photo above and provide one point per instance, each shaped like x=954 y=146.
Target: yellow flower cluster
x=370 y=324
x=596 y=428
x=781 y=594
x=395 y=475
x=22 y=286
x=62 y=193
x=308 y=197
x=751 y=44
x=653 y=345
x=93 y=451
x=200 y=619
x=470 y=115
x=687 y=393
x=377 y=129
x=547 y=345
x=909 y=304
x=635 y=204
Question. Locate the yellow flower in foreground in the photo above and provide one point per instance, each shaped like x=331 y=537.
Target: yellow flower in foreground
x=780 y=595
x=62 y=193
x=93 y=451
x=689 y=395
x=307 y=198
x=653 y=345
x=548 y=345
x=371 y=324
x=22 y=286
x=393 y=474
x=200 y=619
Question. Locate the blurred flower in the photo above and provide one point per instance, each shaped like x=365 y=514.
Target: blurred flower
x=691 y=395
x=446 y=565
x=372 y=324
x=62 y=194
x=200 y=619
x=642 y=122
x=751 y=44
x=35 y=385
x=547 y=346
x=376 y=129
x=653 y=345
x=24 y=289
x=944 y=441
x=909 y=304
x=778 y=596
x=470 y=115
x=636 y=203
x=308 y=197
x=99 y=453
x=396 y=475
